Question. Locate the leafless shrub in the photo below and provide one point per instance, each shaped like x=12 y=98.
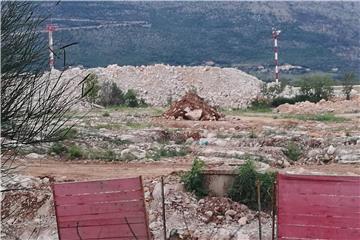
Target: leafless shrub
x=33 y=104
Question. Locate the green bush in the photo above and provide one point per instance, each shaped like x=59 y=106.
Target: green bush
x=293 y=151
x=244 y=186
x=71 y=152
x=116 y=95
x=348 y=81
x=267 y=181
x=317 y=87
x=282 y=100
x=298 y=98
x=193 y=179
x=142 y=103
x=74 y=152
x=272 y=90
x=109 y=155
x=260 y=105
x=92 y=87
x=312 y=89
x=58 y=148
x=131 y=99
x=111 y=95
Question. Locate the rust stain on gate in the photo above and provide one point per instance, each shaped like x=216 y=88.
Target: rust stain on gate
x=318 y=207
x=109 y=209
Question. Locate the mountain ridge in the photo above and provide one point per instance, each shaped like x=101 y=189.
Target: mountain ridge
x=317 y=35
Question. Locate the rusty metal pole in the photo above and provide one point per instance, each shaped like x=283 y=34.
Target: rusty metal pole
x=273 y=211
x=259 y=206
x=163 y=206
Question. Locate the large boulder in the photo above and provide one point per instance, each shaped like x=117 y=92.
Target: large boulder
x=194 y=115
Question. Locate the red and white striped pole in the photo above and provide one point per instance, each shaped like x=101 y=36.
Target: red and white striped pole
x=275 y=35
x=51 y=29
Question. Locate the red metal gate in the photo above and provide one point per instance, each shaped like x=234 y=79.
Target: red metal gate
x=318 y=207
x=110 y=209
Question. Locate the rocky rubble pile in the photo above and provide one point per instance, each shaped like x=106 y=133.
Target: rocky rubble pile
x=205 y=219
x=158 y=84
x=192 y=107
x=336 y=106
x=347 y=152
x=27 y=209
x=221 y=210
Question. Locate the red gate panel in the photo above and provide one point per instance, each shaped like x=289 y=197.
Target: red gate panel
x=318 y=207
x=109 y=209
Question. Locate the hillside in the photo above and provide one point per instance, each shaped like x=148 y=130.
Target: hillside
x=316 y=35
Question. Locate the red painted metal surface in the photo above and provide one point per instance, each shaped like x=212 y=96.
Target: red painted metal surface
x=109 y=209
x=318 y=207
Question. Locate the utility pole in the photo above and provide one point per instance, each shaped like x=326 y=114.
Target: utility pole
x=51 y=29
x=275 y=35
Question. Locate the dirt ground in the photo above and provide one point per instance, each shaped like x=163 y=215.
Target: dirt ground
x=83 y=170
x=65 y=170
x=78 y=170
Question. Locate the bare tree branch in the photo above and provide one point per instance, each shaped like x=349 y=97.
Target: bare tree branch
x=34 y=105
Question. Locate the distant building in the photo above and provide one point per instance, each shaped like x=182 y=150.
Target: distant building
x=210 y=63
x=288 y=67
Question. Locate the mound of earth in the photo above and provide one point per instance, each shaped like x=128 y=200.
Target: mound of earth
x=336 y=106
x=192 y=107
x=157 y=84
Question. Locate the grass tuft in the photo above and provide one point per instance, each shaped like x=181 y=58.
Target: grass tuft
x=193 y=179
x=326 y=117
x=244 y=186
x=293 y=151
